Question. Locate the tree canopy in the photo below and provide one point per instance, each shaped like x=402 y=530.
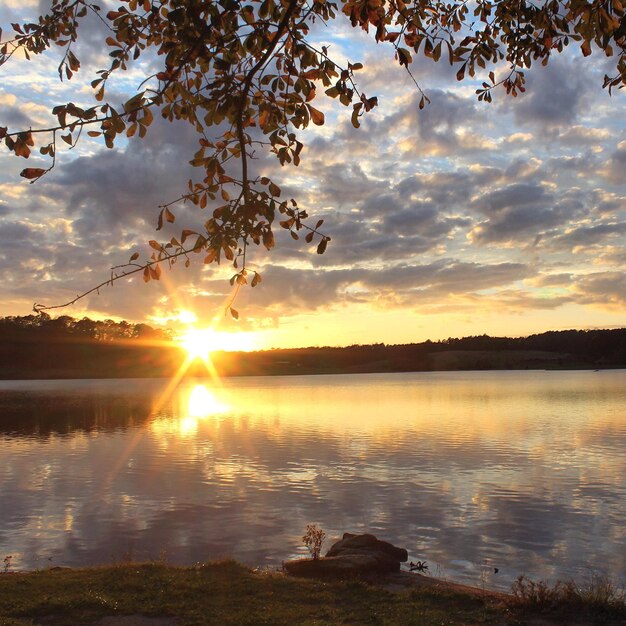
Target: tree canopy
x=246 y=76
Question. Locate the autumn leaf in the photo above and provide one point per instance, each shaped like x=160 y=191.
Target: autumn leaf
x=404 y=56
x=186 y=233
x=22 y=149
x=32 y=172
x=355 y=115
x=268 y=239
x=274 y=190
x=316 y=116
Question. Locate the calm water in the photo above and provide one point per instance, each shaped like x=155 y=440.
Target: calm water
x=524 y=471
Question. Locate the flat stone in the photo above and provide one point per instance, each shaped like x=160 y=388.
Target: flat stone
x=345 y=565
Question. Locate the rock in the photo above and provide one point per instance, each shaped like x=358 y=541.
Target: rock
x=356 y=544
x=331 y=567
x=352 y=556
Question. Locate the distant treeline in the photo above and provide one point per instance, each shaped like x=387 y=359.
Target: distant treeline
x=39 y=346
x=550 y=350
x=43 y=327
x=44 y=347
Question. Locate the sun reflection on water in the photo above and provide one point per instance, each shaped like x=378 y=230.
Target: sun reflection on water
x=197 y=405
x=193 y=406
x=203 y=402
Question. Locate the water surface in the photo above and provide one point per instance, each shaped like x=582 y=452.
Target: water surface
x=523 y=471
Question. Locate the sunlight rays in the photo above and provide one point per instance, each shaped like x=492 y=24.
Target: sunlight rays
x=201 y=402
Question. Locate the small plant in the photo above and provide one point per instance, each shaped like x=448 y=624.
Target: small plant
x=487 y=570
x=543 y=596
x=597 y=596
x=7 y=562
x=600 y=592
x=313 y=539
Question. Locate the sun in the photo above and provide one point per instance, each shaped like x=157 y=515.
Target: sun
x=200 y=342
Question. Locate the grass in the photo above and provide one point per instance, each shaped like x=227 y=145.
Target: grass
x=229 y=593
x=221 y=593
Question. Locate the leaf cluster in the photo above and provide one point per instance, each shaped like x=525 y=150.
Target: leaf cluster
x=245 y=76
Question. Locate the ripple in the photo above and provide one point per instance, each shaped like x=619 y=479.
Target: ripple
x=522 y=471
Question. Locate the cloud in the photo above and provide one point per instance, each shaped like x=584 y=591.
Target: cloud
x=14 y=233
x=520 y=212
x=449 y=124
x=13 y=115
x=524 y=169
x=586 y=237
x=511 y=196
x=554 y=95
x=118 y=192
x=554 y=280
x=603 y=288
x=613 y=256
x=578 y=134
x=521 y=301
x=288 y=290
x=519 y=138
x=615 y=168
x=608 y=203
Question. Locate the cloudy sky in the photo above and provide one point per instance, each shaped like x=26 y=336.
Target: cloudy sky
x=460 y=219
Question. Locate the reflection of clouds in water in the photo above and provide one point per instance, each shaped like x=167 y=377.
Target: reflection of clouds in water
x=245 y=482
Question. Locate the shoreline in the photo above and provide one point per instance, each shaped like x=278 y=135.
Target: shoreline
x=226 y=592
x=75 y=374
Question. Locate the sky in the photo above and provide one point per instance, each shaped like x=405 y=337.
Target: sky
x=460 y=219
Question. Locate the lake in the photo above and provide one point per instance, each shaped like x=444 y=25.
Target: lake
x=523 y=471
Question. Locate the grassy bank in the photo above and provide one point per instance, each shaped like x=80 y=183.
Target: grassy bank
x=229 y=593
